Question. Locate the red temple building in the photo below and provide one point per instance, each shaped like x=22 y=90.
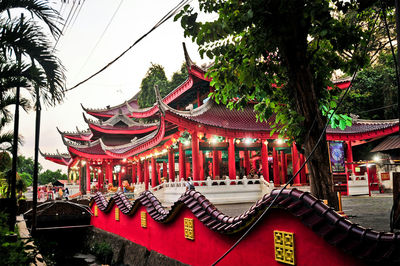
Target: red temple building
x=186 y=133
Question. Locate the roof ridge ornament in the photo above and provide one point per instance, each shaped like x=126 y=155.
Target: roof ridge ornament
x=159 y=100
x=188 y=61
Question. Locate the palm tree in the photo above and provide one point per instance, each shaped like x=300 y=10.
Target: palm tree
x=25 y=39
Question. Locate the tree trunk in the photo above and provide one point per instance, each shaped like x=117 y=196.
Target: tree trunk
x=303 y=90
x=321 y=180
x=36 y=162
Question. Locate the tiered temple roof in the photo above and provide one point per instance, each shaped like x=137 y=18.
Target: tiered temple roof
x=117 y=133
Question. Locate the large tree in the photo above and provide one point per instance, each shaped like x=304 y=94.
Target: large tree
x=283 y=54
x=156 y=76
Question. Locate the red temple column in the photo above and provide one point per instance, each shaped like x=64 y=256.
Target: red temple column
x=165 y=172
x=140 y=171
x=134 y=175
x=282 y=166
x=215 y=163
x=195 y=156
x=295 y=164
x=231 y=158
x=350 y=156
x=182 y=172
x=187 y=168
x=120 y=179
x=101 y=179
x=247 y=161
x=201 y=157
x=303 y=178
x=264 y=159
x=171 y=165
x=87 y=176
x=153 y=172
x=109 y=172
x=158 y=172
x=369 y=179
x=253 y=162
x=275 y=167
x=146 y=175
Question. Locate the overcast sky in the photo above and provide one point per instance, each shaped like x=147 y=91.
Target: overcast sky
x=119 y=82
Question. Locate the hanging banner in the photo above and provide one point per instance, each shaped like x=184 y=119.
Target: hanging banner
x=336 y=152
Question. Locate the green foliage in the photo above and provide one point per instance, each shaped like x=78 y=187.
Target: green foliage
x=5 y=161
x=374 y=91
x=25 y=164
x=12 y=252
x=103 y=252
x=275 y=52
x=49 y=176
x=26 y=178
x=156 y=76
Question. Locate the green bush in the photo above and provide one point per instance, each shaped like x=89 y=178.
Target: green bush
x=103 y=252
x=13 y=251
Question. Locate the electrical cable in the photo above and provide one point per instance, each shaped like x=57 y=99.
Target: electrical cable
x=77 y=15
x=392 y=221
x=72 y=17
x=376 y=109
x=66 y=21
x=101 y=36
x=166 y=17
x=302 y=166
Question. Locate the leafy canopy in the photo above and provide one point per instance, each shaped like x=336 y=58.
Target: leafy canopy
x=262 y=49
x=49 y=176
x=374 y=92
x=156 y=76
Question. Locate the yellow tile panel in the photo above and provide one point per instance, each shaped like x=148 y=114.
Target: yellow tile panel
x=284 y=247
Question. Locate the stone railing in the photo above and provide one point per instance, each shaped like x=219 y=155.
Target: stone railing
x=358 y=185
x=219 y=191
x=139 y=187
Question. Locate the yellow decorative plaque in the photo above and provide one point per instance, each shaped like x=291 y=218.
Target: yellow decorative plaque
x=189 y=228
x=143 y=219
x=284 y=247
x=96 y=211
x=116 y=214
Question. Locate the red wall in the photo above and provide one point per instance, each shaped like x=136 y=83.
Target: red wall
x=256 y=249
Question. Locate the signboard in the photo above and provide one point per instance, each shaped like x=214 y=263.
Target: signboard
x=336 y=152
x=385 y=176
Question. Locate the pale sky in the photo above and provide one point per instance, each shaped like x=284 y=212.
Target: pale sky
x=119 y=82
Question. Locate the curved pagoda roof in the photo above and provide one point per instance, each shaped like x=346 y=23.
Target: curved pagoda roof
x=131 y=108
x=63 y=159
x=120 y=124
x=79 y=135
x=117 y=135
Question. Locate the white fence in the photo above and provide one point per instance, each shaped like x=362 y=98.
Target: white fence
x=358 y=185
x=217 y=191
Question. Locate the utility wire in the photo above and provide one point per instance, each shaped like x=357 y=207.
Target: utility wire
x=376 y=109
x=302 y=166
x=101 y=37
x=66 y=22
x=77 y=15
x=393 y=54
x=171 y=13
x=72 y=17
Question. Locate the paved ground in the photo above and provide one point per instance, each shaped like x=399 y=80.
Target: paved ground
x=371 y=212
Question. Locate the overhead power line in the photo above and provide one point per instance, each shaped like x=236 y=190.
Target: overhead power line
x=167 y=16
x=101 y=37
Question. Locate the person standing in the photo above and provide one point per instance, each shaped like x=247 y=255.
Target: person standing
x=189 y=184
x=66 y=193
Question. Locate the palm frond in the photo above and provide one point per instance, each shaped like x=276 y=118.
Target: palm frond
x=40 y=8
x=27 y=37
